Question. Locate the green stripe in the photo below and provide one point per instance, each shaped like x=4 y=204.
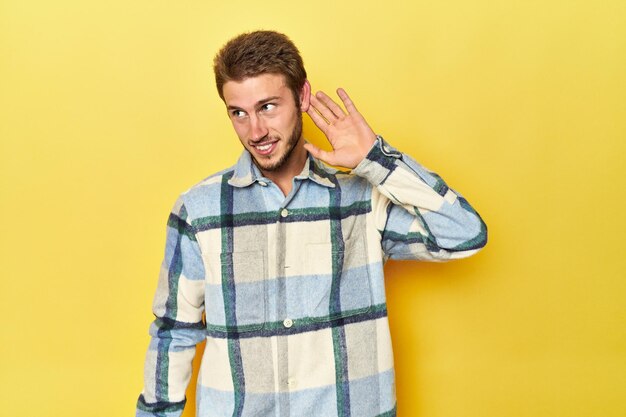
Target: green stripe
x=338 y=332
x=228 y=289
x=161 y=407
x=162 y=370
x=306 y=321
x=267 y=217
x=171 y=310
x=338 y=350
x=440 y=186
x=481 y=239
x=404 y=237
x=181 y=226
x=475 y=243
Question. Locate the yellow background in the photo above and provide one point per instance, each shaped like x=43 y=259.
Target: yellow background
x=108 y=111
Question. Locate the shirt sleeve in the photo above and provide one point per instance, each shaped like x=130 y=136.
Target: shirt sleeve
x=178 y=307
x=418 y=215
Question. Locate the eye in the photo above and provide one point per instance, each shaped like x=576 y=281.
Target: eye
x=238 y=114
x=268 y=106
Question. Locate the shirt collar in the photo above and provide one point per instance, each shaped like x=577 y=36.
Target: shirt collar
x=246 y=172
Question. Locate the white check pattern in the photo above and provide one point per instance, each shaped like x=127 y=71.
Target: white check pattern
x=292 y=288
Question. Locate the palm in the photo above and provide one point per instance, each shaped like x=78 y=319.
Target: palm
x=347 y=131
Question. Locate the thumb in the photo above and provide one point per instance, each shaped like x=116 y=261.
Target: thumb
x=318 y=153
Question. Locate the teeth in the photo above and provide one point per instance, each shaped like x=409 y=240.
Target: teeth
x=264 y=147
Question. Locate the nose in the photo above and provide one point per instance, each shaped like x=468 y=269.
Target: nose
x=257 y=128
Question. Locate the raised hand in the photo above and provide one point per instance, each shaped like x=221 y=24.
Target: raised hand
x=348 y=133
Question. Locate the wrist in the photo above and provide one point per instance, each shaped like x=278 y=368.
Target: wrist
x=379 y=162
x=385 y=148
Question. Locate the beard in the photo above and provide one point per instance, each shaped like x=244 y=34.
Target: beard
x=290 y=145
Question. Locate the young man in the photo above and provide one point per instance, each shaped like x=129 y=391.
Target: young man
x=283 y=256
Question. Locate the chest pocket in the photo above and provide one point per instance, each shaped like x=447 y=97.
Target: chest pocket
x=236 y=294
x=340 y=284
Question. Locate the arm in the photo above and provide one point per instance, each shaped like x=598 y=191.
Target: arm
x=178 y=307
x=419 y=216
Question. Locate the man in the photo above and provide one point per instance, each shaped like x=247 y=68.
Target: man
x=284 y=256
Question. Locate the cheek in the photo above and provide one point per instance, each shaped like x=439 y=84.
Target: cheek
x=241 y=129
x=287 y=124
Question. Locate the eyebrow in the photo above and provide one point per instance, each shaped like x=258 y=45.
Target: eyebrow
x=258 y=103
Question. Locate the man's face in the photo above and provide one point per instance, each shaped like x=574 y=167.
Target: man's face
x=266 y=119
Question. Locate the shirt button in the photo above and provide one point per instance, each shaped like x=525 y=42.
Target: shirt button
x=263 y=183
x=291 y=382
x=287 y=323
x=284 y=212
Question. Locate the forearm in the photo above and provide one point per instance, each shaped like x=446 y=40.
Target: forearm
x=419 y=215
x=168 y=368
x=178 y=307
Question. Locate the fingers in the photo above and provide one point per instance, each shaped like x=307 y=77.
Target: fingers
x=323 y=109
x=319 y=121
x=330 y=104
x=347 y=102
x=331 y=110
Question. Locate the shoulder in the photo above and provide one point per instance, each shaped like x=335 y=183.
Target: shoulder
x=203 y=198
x=210 y=182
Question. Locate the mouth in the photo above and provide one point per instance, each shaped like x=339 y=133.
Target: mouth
x=265 y=148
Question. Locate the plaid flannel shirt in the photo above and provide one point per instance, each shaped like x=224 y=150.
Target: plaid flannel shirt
x=288 y=291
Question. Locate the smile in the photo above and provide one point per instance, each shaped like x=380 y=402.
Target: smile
x=265 y=148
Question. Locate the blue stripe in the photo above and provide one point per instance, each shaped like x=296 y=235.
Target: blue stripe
x=228 y=284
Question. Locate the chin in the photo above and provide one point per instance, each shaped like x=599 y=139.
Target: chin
x=268 y=165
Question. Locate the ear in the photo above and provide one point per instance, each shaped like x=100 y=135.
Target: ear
x=305 y=96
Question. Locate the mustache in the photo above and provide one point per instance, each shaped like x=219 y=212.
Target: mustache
x=262 y=139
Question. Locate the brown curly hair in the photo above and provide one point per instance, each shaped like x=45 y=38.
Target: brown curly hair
x=256 y=53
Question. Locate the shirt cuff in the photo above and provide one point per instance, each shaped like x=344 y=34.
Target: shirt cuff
x=379 y=162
